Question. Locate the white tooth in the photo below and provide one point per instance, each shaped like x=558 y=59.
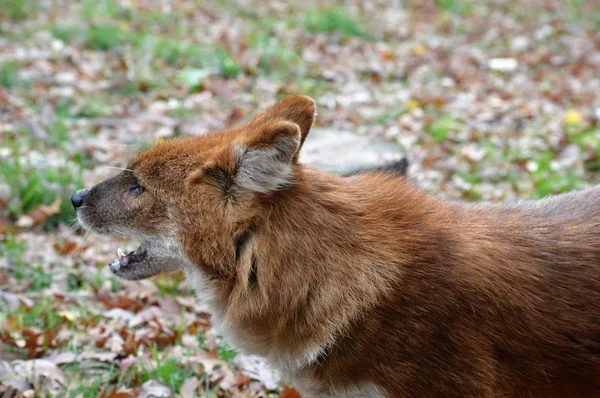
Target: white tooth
x=120 y=253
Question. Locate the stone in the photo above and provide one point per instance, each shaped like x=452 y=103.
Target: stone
x=346 y=153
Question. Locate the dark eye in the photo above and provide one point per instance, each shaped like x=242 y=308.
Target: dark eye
x=136 y=189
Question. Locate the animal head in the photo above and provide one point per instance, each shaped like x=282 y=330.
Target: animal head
x=195 y=200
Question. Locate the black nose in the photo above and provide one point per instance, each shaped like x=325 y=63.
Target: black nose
x=78 y=197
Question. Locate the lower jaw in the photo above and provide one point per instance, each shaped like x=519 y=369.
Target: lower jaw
x=128 y=260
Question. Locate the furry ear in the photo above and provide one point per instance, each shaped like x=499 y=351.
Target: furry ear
x=298 y=109
x=264 y=161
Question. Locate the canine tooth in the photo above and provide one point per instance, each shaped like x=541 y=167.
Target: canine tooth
x=120 y=252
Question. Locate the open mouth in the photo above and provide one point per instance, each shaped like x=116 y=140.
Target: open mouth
x=127 y=260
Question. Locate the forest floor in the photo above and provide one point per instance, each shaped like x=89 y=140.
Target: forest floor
x=495 y=100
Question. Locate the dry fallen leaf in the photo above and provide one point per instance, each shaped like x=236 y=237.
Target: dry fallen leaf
x=258 y=369
x=289 y=392
x=189 y=389
x=45 y=377
x=121 y=393
x=118 y=301
x=67 y=247
x=10 y=378
x=154 y=389
x=39 y=214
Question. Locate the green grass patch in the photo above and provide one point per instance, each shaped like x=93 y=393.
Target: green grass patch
x=37 y=276
x=225 y=63
x=106 y=37
x=176 y=53
x=93 y=107
x=132 y=87
x=101 y=36
x=548 y=180
x=34 y=182
x=169 y=370
x=9 y=75
x=41 y=315
x=473 y=178
x=307 y=86
x=85 y=106
x=441 y=127
x=588 y=140
x=226 y=352
x=107 y=9
x=68 y=34
x=460 y=7
x=18 y=10
x=192 y=78
x=390 y=116
x=332 y=20
x=555 y=183
x=101 y=381
x=276 y=57
x=12 y=248
x=168 y=284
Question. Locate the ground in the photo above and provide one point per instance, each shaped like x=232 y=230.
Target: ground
x=496 y=100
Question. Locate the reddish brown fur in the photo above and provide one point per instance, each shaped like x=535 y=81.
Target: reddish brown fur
x=400 y=290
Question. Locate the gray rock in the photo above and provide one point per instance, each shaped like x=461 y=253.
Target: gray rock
x=347 y=153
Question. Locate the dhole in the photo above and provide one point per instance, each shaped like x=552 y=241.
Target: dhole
x=363 y=285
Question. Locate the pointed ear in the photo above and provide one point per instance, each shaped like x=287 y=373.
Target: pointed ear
x=264 y=160
x=298 y=109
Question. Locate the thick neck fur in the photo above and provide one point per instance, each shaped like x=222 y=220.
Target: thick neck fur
x=329 y=250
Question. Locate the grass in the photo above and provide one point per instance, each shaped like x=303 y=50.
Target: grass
x=176 y=53
x=461 y=7
x=41 y=315
x=332 y=20
x=100 y=36
x=34 y=181
x=9 y=75
x=38 y=277
x=101 y=381
x=225 y=63
x=12 y=248
x=441 y=127
x=548 y=180
x=226 y=352
x=105 y=9
x=169 y=371
x=107 y=36
x=390 y=116
x=276 y=57
x=85 y=106
x=169 y=284
x=18 y=10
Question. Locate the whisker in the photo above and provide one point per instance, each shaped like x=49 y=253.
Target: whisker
x=73 y=225
x=79 y=248
x=117 y=168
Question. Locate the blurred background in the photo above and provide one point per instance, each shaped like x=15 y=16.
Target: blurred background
x=491 y=100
